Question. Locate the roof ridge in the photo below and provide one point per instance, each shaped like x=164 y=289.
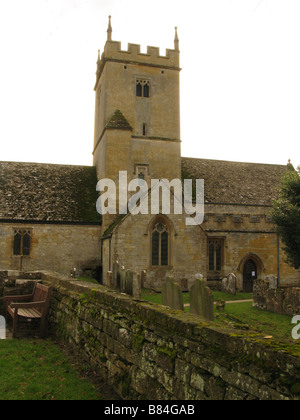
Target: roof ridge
x=233 y=161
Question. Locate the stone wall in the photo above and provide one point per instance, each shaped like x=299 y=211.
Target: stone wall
x=147 y=351
x=56 y=247
x=247 y=232
x=282 y=300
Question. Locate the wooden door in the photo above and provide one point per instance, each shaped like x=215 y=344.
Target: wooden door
x=249 y=275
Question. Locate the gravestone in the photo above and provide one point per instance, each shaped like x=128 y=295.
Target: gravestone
x=137 y=286
x=143 y=278
x=109 y=279
x=122 y=279
x=229 y=284
x=2 y=328
x=115 y=269
x=201 y=300
x=172 y=295
x=129 y=283
x=272 y=280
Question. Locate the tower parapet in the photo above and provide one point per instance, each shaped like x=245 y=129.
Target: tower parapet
x=113 y=53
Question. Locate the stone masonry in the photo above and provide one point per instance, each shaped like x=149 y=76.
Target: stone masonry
x=147 y=351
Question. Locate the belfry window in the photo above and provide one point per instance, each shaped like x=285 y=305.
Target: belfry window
x=160 y=244
x=215 y=254
x=143 y=88
x=22 y=242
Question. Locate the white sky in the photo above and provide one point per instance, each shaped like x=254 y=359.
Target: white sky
x=240 y=83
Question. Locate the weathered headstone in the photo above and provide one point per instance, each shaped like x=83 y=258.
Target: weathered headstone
x=122 y=276
x=137 y=289
x=201 y=300
x=229 y=284
x=2 y=328
x=115 y=269
x=129 y=283
x=272 y=280
x=143 y=278
x=109 y=279
x=172 y=295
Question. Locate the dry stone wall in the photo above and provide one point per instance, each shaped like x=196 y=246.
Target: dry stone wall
x=282 y=300
x=147 y=351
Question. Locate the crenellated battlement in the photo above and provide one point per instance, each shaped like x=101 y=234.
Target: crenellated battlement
x=133 y=54
x=113 y=52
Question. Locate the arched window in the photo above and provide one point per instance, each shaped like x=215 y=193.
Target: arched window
x=22 y=240
x=215 y=254
x=139 y=89
x=143 y=88
x=160 y=244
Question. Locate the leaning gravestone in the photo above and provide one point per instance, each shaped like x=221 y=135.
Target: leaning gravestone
x=172 y=295
x=129 y=283
x=229 y=284
x=201 y=300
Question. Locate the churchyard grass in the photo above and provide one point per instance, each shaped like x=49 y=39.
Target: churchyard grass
x=40 y=370
x=264 y=322
x=86 y=279
x=243 y=315
x=152 y=296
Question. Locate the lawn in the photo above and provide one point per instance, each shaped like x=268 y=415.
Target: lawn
x=243 y=315
x=152 y=296
x=267 y=323
x=40 y=370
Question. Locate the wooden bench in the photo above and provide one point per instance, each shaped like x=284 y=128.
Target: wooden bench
x=34 y=306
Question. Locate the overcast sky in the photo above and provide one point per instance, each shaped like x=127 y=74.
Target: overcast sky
x=240 y=79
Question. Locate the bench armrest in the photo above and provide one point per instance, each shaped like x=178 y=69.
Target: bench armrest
x=8 y=299
x=27 y=305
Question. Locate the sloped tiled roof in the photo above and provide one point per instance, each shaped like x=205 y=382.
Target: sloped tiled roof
x=118 y=121
x=235 y=182
x=65 y=193
x=50 y=193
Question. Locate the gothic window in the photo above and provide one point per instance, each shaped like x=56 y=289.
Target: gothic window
x=22 y=242
x=215 y=254
x=160 y=244
x=143 y=88
x=139 y=88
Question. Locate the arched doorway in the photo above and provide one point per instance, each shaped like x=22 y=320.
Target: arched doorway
x=249 y=275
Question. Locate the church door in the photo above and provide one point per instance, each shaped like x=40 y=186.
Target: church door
x=249 y=275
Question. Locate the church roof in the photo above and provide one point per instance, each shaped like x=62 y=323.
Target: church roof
x=235 y=182
x=48 y=193
x=118 y=121
x=67 y=194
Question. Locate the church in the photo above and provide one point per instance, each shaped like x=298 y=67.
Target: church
x=48 y=215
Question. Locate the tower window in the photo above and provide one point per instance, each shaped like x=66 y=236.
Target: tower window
x=22 y=241
x=160 y=244
x=143 y=88
x=144 y=129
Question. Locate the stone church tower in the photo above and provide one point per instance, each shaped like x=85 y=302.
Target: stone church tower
x=137 y=129
x=137 y=113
